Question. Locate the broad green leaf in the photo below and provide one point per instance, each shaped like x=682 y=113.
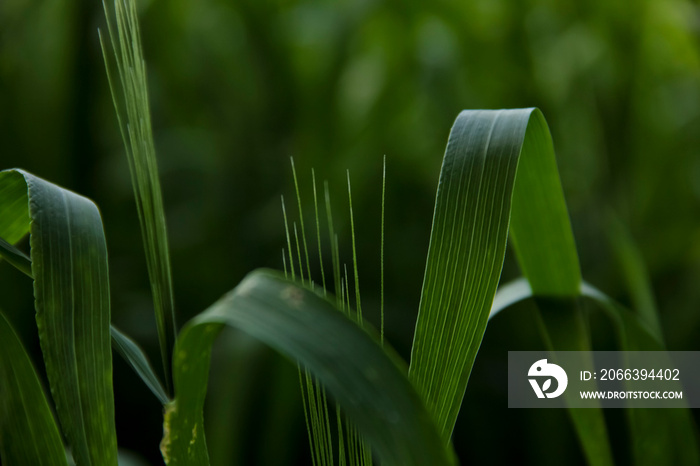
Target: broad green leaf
x=137 y=359
x=478 y=196
x=71 y=291
x=134 y=117
x=28 y=431
x=367 y=381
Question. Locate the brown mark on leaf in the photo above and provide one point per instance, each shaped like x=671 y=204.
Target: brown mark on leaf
x=293 y=296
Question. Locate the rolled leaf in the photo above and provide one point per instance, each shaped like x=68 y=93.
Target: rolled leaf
x=71 y=291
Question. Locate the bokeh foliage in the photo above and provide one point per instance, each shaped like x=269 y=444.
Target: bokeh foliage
x=239 y=86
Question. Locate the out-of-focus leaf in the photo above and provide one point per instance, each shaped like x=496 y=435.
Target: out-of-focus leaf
x=138 y=361
x=563 y=328
x=71 y=290
x=634 y=271
x=15 y=257
x=367 y=381
x=478 y=197
x=28 y=431
x=658 y=436
x=510 y=294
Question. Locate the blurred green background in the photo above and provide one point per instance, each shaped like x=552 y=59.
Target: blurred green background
x=239 y=86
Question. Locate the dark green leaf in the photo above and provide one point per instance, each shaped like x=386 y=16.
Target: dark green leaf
x=367 y=381
x=658 y=436
x=129 y=350
x=28 y=431
x=16 y=258
x=634 y=272
x=71 y=290
x=138 y=361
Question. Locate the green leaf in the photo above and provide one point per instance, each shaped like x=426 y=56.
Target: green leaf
x=564 y=328
x=478 y=196
x=367 y=381
x=658 y=436
x=137 y=359
x=634 y=271
x=14 y=222
x=539 y=223
x=16 y=258
x=134 y=118
x=71 y=291
x=28 y=431
x=126 y=347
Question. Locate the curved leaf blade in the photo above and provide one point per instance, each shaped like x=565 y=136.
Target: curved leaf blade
x=367 y=381
x=658 y=436
x=137 y=359
x=539 y=223
x=71 y=290
x=510 y=294
x=634 y=272
x=28 y=431
x=15 y=257
x=478 y=197
x=125 y=346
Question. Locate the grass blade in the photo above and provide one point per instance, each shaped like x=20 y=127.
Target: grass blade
x=134 y=117
x=478 y=196
x=658 y=436
x=539 y=222
x=126 y=347
x=71 y=288
x=16 y=258
x=139 y=362
x=636 y=277
x=14 y=221
x=28 y=431
x=381 y=255
x=367 y=381
x=563 y=327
